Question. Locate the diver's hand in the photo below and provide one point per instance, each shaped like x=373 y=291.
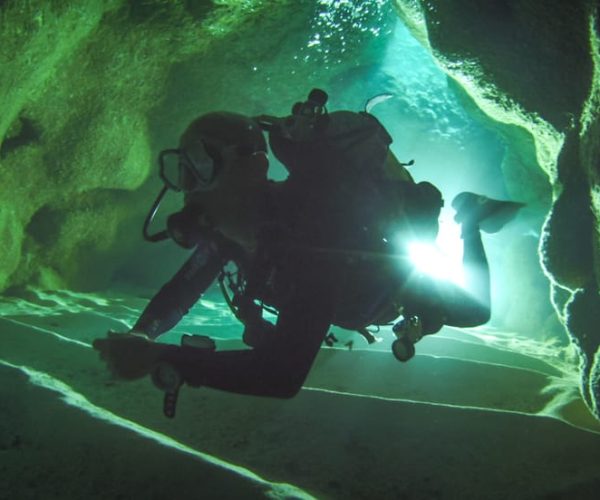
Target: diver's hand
x=129 y=356
x=258 y=333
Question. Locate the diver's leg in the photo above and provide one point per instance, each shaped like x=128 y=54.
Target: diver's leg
x=437 y=303
x=474 y=212
x=477 y=276
x=440 y=303
x=277 y=368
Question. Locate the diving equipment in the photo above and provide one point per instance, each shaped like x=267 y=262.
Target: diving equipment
x=208 y=145
x=187 y=170
x=489 y=214
x=403 y=349
x=198 y=342
x=185 y=229
x=408 y=332
x=342 y=141
x=168 y=379
x=169 y=183
x=168 y=375
x=182 y=227
x=375 y=100
x=307 y=118
x=160 y=235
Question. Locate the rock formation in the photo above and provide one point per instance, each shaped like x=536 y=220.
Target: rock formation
x=538 y=67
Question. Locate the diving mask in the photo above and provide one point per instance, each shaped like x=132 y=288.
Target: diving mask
x=188 y=169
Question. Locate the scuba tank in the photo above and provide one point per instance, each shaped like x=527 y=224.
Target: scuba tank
x=313 y=141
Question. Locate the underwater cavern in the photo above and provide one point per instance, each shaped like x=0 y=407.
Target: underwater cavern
x=500 y=98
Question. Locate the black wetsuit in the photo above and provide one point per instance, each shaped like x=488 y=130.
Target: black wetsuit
x=322 y=259
x=275 y=368
x=311 y=251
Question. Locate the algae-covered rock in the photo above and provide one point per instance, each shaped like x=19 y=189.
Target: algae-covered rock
x=567 y=243
x=11 y=233
x=79 y=82
x=583 y=318
x=98 y=88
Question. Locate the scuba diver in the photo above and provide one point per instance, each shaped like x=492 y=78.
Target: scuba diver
x=316 y=249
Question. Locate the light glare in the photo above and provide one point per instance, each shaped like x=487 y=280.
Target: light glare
x=442 y=260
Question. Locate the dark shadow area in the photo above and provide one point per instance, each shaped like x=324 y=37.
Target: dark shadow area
x=28 y=132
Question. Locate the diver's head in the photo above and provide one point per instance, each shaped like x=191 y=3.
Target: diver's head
x=210 y=146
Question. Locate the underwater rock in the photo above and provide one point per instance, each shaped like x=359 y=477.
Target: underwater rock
x=110 y=84
x=526 y=306
x=567 y=242
x=27 y=133
x=583 y=318
x=538 y=68
x=81 y=80
x=11 y=234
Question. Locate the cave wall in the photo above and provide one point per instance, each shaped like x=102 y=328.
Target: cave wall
x=92 y=90
x=80 y=80
x=536 y=66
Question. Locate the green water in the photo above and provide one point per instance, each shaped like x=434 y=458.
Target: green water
x=365 y=426
x=461 y=379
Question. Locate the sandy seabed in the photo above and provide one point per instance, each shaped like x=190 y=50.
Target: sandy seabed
x=466 y=418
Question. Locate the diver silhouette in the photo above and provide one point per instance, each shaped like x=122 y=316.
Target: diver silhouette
x=314 y=249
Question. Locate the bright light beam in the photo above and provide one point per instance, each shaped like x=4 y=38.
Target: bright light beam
x=442 y=260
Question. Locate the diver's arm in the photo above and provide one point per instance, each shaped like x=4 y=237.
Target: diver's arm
x=177 y=296
x=279 y=367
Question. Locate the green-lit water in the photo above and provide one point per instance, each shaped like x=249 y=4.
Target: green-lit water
x=467 y=380
x=492 y=412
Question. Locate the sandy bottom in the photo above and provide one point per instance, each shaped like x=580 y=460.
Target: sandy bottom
x=477 y=414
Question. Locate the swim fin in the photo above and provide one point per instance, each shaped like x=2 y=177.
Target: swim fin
x=491 y=215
